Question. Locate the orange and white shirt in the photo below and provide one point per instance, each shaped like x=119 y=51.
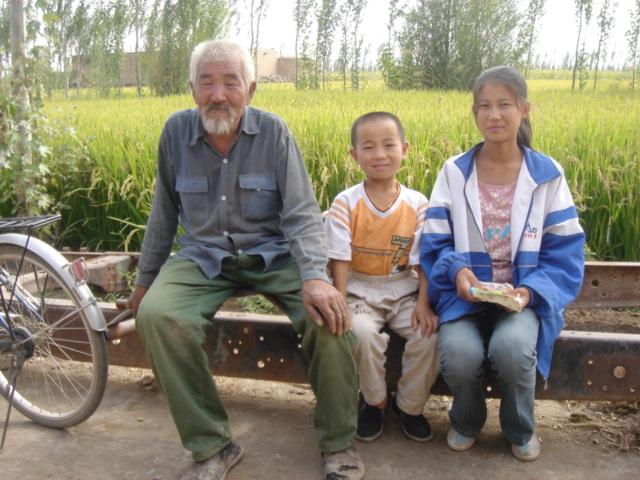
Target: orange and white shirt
x=376 y=242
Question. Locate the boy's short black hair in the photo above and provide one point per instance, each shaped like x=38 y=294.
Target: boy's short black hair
x=372 y=116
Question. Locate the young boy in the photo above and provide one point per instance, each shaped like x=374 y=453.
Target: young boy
x=373 y=232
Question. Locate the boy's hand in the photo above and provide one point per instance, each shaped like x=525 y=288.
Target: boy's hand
x=465 y=279
x=425 y=319
x=326 y=304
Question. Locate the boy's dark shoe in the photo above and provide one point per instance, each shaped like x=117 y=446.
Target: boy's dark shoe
x=370 y=423
x=415 y=427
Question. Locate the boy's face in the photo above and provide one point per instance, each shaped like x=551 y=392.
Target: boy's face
x=379 y=149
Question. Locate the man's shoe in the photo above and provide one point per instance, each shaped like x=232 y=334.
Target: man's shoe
x=529 y=451
x=215 y=467
x=459 y=442
x=415 y=427
x=343 y=465
x=370 y=423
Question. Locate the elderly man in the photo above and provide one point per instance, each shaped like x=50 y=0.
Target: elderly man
x=233 y=178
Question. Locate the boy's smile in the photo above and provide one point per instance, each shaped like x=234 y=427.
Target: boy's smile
x=379 y=149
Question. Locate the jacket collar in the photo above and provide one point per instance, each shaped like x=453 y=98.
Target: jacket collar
x=540 y=168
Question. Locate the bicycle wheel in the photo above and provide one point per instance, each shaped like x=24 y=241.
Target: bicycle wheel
x=63 y=379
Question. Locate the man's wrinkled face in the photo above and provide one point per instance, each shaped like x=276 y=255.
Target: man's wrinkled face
x=221 y=94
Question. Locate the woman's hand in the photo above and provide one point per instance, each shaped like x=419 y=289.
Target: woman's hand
x=465 y=279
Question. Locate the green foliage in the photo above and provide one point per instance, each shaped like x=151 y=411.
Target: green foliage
x=175 y=27
x=57 y=159
x=108 y=25
x=302 y=15
x=447 y=43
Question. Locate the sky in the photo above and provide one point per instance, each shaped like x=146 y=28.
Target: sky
x=556 y=34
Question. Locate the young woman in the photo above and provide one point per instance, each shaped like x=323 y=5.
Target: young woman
x=500 y=212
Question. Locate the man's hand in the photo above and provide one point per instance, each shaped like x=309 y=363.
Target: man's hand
x=424 y=318
x=465 y=279
x=326 y=304
x=135 y=298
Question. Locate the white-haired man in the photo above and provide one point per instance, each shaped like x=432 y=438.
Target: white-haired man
x=232 y=176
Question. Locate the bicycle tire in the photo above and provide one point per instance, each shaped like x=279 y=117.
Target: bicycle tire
x=63 y=382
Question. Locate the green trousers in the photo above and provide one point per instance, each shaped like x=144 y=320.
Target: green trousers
x=174 y=318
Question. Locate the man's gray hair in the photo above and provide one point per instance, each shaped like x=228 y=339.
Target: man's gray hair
x=221 y=51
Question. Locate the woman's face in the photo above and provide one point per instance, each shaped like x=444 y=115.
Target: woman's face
x=498 y=114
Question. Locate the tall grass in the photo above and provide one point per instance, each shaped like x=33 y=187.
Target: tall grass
x=594 y=135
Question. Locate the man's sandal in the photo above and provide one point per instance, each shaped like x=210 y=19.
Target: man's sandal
x=343 y=465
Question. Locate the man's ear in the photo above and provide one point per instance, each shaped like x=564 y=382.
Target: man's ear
x=352 y=152
x=252 y=89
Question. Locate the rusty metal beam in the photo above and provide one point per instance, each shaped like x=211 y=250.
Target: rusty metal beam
x=606 y=284
x=586 y=365
x=610 y=284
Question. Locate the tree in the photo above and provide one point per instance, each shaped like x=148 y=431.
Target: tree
x=447 y=43
x=60 y=28
x=345 y=46
x=23 y=159
x=137 y=23
x=605 y=24
x=325 y=15
x=174 y=28
x=356 y=49
x=303 y=20
x=633 y=39
x=583 y=17
x=535 y=10
x=108 y=26
x=257 y=11
x=5 y=49
x=29 y=168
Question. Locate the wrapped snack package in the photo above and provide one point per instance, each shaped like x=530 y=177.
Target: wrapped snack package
x=497 y=293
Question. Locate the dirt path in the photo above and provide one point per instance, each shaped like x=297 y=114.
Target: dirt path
x=131 y=437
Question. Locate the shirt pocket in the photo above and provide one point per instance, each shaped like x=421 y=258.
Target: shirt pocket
x=259 y=196
x=194 y=199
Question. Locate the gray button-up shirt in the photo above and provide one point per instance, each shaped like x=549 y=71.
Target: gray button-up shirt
x=256 y=200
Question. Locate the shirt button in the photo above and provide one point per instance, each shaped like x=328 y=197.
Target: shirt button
x=223 y=198
x=239 y=251
x=225 y=161
x=226 y=234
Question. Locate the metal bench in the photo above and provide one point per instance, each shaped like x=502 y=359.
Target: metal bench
x=586 y=365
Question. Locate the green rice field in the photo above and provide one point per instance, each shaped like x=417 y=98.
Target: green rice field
x=594 y=135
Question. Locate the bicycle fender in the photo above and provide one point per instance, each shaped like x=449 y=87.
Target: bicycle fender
x=61 y=266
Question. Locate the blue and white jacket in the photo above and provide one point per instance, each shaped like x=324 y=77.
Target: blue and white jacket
x=547 y=242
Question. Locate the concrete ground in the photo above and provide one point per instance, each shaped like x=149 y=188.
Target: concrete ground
x=131 y=436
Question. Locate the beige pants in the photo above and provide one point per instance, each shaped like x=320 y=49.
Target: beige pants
x=374 y=302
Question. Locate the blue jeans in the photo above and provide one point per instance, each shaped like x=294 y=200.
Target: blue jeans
x=505 y=342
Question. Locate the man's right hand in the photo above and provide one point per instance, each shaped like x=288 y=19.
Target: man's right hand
x=135 y=298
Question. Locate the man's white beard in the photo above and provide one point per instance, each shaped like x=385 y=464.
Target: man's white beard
x=215 y=126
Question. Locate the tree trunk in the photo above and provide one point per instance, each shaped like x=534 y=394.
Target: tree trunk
x=21 y=95
x=575 y=62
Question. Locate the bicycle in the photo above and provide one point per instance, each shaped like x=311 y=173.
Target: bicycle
x=53 y=354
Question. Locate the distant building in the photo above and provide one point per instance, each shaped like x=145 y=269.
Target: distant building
x=272 y=68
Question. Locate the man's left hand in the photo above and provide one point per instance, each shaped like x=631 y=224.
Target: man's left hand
x=326 y=304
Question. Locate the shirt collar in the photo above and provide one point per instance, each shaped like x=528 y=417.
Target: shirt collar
x=248 y=124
